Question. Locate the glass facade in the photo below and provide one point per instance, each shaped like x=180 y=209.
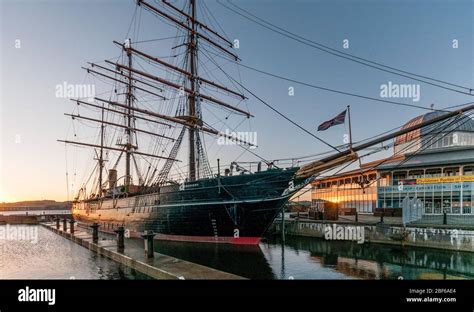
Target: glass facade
x=453 y=198
x=389 y=189
x=438 y=141
x=452 y=193
x=438 y=188
x=347 y=192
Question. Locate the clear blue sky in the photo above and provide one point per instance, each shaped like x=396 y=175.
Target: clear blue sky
x=58 y=37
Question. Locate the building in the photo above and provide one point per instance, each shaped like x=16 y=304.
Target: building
x=298 y=206
x=431 y=169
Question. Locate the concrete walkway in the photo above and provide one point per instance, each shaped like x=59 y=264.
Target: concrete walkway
x=368 y=219
x=159 y=267
x=362 y=219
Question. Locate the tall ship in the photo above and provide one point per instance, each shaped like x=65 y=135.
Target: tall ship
x=152 y=171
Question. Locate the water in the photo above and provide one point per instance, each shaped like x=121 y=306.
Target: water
x=312 y=258
x=45 y=255
x=41 y=254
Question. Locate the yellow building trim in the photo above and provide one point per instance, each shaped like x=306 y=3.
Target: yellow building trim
x=453 y=179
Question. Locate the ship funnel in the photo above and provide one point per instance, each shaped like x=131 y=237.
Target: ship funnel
x=112 y=178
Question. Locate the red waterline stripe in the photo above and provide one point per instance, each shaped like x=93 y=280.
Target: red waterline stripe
x=202 y=239
x=210 y=239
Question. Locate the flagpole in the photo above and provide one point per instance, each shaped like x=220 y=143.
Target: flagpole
x=350 y=128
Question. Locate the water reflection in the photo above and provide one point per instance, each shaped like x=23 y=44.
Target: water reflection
x=311 y=258
x=384 y=261
x=54 y=257
x=248 y=261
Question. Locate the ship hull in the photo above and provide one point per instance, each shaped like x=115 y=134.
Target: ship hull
x=236 y=209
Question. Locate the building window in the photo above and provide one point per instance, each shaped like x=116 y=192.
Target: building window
x=385 y=179
x=467 y=203
x=447 y=199
x=435 y=142
x=437 y=203
x=448 y=140
x=398 y=176
x=428 y=206
x=449 y=172
x=431 y=173
x=455 y=203
x=468 y=170
x=438 y=142
x=415 y=174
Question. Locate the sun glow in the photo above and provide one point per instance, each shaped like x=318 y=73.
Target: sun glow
x=5 y=198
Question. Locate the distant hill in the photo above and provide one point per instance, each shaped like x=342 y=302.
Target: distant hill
x=33 y=203
x=37 y=204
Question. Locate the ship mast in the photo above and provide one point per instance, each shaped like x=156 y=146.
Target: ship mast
x=135 y=80
x=192 y=97
x=128 y=131
x=196 y=157
x=101 y=154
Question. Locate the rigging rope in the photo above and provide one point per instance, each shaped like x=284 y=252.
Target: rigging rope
x=306 y=84
x=274 y=109
x=341 y=54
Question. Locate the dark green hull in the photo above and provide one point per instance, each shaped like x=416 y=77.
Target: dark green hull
x=235 y=209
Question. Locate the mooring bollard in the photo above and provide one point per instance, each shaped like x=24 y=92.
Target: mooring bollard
x=71 y=223
x=120 y=238
x=65 y=225
x=148 y=237
x=57 y=223
x=95 y=232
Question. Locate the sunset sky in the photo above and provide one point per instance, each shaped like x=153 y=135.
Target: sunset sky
x=57 y=37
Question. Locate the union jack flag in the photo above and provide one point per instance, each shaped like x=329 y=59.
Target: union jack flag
x=339 y=119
